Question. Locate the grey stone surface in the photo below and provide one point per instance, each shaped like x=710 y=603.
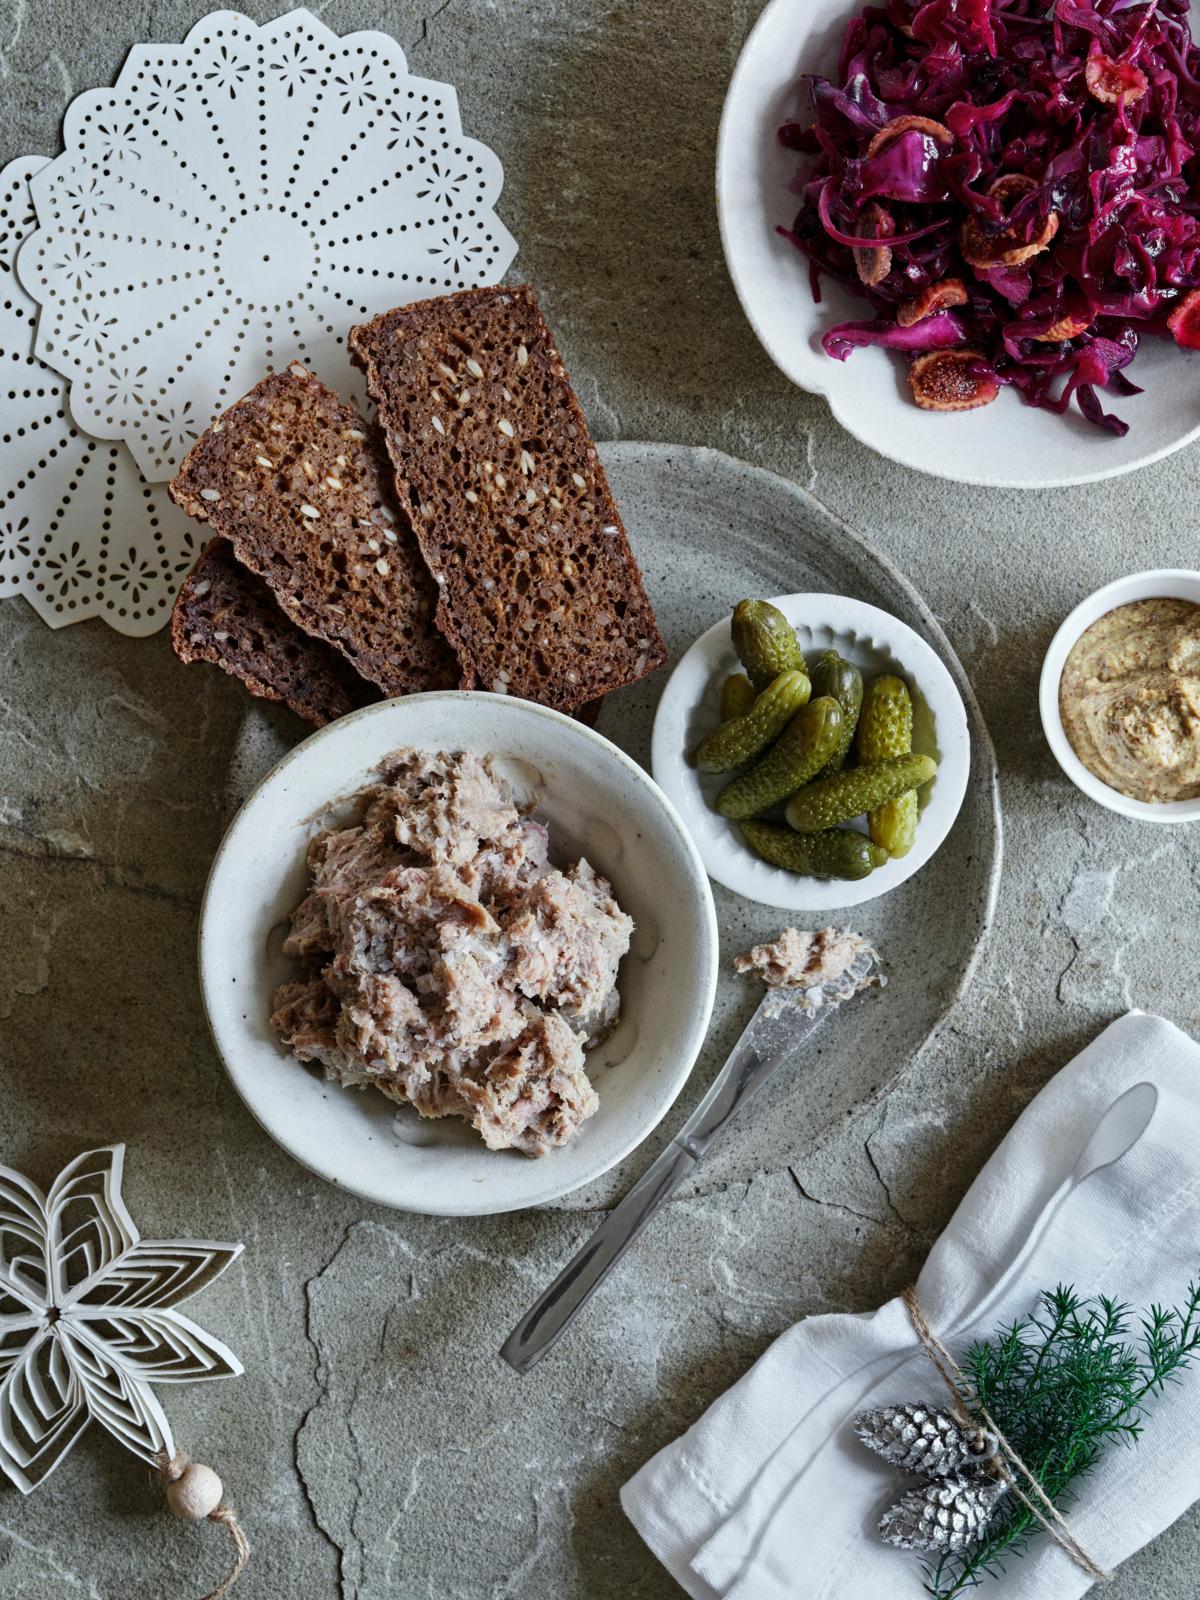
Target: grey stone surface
x=375 y=1446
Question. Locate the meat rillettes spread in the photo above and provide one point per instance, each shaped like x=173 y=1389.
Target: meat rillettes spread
x=448 y=963
x=801 y=959
x=814 y=967
x=1130 y=699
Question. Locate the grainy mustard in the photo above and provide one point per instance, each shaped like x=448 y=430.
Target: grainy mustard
x=1130 y=699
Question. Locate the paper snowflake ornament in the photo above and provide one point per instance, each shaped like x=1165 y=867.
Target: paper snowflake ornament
x=88 y=1320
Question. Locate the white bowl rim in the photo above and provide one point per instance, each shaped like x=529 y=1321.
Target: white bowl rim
x=708 y=942
x=730 y=869
x=741 y=279
x=1151 y=584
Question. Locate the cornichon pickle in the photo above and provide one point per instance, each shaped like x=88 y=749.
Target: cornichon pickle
x=742 y=738
x=848 y=794
x=737 y=696
x=832 y=675
x=885 y=729
x=765 y=641
x=801 y=750
x=837 y=853
x=894 y=823
x=885 y=722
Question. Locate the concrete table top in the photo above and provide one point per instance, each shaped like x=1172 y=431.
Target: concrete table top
x=375 y=1445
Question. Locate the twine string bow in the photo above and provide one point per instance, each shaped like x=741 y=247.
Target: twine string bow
x=1008 y=1464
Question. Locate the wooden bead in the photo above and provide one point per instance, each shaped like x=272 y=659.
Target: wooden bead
x=196 y=1494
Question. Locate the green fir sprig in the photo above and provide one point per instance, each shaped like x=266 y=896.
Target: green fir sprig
x=1060 y=1384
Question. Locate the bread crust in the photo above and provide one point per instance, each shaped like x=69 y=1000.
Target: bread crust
x=226 y=615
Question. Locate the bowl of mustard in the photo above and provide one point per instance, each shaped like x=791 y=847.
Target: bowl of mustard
x=1120 y=696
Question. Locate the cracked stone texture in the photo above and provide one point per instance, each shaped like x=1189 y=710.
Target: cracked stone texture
x=375 y=1446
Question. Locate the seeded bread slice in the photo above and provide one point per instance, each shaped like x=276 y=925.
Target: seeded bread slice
x=227 y=615
x=300 y=486
x=540 y=594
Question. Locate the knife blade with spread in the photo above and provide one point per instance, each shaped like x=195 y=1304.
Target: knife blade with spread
x=791 y=1011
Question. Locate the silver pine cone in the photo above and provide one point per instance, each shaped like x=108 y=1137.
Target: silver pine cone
x=946 y=1515
x=921 y=1439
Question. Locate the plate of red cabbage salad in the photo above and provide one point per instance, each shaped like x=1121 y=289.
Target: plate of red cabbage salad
x=1013 y=189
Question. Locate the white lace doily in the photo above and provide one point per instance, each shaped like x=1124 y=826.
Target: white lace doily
x=81 y=533
x=240 y=200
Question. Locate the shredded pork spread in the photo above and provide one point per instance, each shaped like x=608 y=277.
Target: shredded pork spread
x=448 y=963
x=815 y=962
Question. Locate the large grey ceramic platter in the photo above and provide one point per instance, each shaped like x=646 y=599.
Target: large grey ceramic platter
x=708 y=531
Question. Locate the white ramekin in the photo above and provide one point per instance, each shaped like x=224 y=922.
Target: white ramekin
x=1170 y=582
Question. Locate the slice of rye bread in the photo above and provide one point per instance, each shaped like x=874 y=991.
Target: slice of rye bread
x=540 y=593
x=300 y=486
x=227 y=615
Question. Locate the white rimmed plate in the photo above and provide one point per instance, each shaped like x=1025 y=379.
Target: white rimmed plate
x=600 y=804
x=875 y=642
x=1004 y=445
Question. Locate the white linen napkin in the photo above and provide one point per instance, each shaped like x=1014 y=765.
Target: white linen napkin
x=769 y=1496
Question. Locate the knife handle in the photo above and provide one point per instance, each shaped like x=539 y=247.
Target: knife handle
x=544 y=1324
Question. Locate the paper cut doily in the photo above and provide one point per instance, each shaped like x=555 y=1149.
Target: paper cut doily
x=240 y=200
x=81 y=533
x=87 y=1318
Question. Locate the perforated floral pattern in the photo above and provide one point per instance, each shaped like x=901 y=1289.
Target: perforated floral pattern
x=81 y=533
x=241 y=200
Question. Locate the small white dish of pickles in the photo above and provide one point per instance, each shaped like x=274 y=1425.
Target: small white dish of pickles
x=835 y=774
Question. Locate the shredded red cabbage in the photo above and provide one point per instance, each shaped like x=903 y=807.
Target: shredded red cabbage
x=1040 y=155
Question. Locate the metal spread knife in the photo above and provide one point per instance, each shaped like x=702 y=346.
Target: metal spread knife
x=777 y=1032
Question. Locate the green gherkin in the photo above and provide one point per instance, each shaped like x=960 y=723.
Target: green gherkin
x=742 y=738
x=885 y=727
x=765 y=641
x=894 y=823
x=848 y=794
x=835 y=853
x=832 y=675
x=800 y=751
x=885 y=723
x=737 y=696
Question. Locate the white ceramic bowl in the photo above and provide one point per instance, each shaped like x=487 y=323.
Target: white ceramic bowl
x=1164 y=582
x=1006 y=444
x=875 y=642
x=600 y=804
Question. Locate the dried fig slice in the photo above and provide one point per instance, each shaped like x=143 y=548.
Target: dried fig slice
x=873 y=262
x=1184 y=321
x=1005 y=249
x=1113 y=82
x=1010 y=187
x=942 y=380
x=933 y=298
x=893 y=130
x=1069 y=326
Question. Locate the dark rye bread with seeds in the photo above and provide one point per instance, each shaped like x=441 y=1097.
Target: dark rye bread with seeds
x=540 y=594
x=228 y=616
x=300 y=486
